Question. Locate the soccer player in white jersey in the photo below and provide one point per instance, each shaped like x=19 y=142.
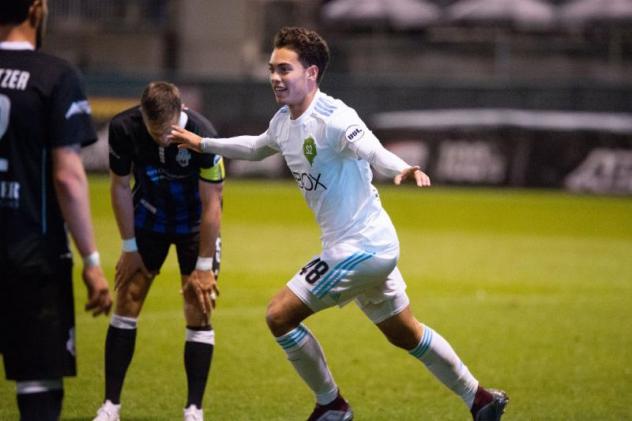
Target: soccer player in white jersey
x=329 y=150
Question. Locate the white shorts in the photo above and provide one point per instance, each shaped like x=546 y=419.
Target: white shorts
x=344 y=273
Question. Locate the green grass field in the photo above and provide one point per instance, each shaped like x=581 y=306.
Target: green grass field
x=532 y=288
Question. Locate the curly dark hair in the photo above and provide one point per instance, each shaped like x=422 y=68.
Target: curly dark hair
x=310 y=47
x=14 y=12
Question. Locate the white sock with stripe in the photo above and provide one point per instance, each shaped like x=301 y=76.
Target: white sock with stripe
x=306 y=355
x=439 y=357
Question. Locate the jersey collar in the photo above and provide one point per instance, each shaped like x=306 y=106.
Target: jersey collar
x=182 y=121
x=308 y=111
x=16 y=45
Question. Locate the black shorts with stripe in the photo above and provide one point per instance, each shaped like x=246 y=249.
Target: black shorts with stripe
x=154 y=248
x=37 y=323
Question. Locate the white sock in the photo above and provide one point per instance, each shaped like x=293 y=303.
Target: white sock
x=439 y=357
x=38 y=386
x=306 y=355
x=123 y=322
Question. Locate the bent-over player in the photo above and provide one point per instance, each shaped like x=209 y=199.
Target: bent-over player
x=176 y=199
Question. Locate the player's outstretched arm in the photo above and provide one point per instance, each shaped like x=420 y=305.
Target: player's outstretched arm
x=185 y=138
x=420 y=177
x=368 y=147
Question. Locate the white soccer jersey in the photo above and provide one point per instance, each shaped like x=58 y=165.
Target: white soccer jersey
x=328 y=150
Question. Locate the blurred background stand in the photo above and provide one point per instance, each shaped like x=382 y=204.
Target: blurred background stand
x=526 y=60
x=399 y=15
x=366 y=28
x=502 y=18
x=614 y=17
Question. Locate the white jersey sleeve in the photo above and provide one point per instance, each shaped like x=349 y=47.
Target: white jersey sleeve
x=354 y=136
x=251 y=148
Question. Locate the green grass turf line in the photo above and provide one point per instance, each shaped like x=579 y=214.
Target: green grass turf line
x=532 y=288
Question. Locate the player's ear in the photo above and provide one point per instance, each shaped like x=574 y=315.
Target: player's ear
x=36 y=13
x=312 y=72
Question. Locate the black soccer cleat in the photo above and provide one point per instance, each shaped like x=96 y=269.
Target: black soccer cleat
x=336 y=410
x=494 y=408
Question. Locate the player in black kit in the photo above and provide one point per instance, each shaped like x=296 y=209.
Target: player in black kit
x=176 y=199
x=44 y=120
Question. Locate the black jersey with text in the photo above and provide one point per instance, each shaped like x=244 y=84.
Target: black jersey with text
x=166 y=179
x=42 y=106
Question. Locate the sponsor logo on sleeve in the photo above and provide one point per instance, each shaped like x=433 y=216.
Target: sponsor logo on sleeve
x=78 y=107
x=354 y=133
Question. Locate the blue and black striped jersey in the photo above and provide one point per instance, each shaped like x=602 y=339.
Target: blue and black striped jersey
x=166 y=179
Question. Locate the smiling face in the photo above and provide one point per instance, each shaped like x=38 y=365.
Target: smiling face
x=293 y=84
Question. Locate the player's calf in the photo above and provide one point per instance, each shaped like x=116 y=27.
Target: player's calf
x=40 y=400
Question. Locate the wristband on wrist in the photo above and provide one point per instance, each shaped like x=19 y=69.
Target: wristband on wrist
x=204 y=145
x=93 y=259
x=129 y=245
x=204 y=263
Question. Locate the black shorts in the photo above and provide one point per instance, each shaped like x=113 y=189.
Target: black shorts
x=154 y=247
x=37 y=323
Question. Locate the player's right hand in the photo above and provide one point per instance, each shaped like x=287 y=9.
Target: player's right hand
x=99 y=299
x=128 y=264
x=185 y=138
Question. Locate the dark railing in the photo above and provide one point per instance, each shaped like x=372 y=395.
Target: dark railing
x=110 y=15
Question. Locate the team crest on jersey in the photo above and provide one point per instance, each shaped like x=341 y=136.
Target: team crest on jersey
x=183 y=157
x=309 y=149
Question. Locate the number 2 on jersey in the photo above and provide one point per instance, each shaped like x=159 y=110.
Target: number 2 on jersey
x=318 y=268
x=5 y=107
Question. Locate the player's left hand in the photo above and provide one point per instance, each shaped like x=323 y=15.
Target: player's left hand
x=185 y=138
x=201 y=288
x=421 y=178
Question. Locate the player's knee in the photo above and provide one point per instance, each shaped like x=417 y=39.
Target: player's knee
x=127 y=305
x=277 y=319
x=194 y=315
x=135 y=291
